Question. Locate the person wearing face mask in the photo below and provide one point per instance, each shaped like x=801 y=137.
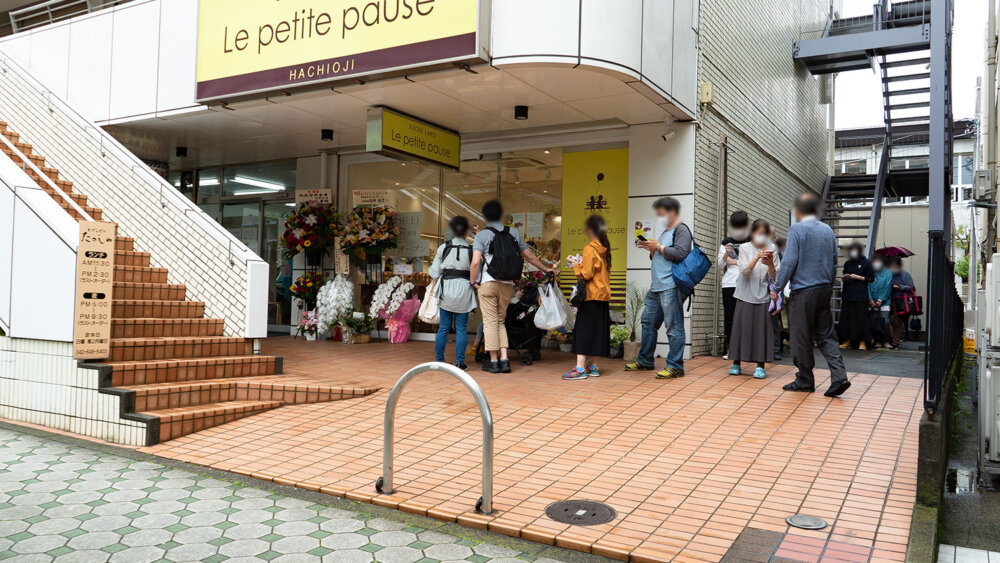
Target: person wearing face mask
x=810 y=266
x=854 y=328
x=902 y=282
x=879 y=297
x=663 y=303
x=753 y=334
x=739 y=233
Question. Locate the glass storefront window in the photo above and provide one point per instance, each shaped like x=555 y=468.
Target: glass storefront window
x=243 y=221
x=209 y=183
x=266 y=179
x=531 y=191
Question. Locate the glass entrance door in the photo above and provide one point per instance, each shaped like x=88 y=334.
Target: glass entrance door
x=279 y=307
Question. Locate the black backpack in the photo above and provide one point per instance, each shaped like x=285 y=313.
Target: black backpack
x=506 y=262
x=448 y=246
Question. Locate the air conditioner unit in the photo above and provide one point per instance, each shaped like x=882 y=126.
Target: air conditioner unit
x=991 y=304
x=982 y=182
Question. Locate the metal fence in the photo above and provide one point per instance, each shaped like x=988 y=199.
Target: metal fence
x=945 y=322
x=53 y=11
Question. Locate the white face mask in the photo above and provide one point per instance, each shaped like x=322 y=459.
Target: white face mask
x=662 y=223
x=739 y=234
x=877 y=266
x=761 y=240
x=855 y=254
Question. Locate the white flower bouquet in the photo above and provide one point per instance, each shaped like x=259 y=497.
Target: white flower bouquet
x=335 y=300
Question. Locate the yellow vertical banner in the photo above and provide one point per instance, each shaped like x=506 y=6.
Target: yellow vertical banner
x=596 y=183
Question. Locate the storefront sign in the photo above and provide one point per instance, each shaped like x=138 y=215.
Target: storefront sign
x=370 y=198
x=321 y=196
x=596 y=183
x=254 y=46
x=95 y=269
x=399 y=135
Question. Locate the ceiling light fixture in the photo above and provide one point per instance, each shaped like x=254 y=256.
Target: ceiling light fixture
x=270 y=186
x=547 y=151
x=208 y=182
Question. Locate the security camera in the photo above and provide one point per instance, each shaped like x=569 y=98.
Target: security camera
x=669 y=135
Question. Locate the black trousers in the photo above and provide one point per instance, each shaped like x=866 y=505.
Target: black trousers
x=728 y=310
x=811 y=315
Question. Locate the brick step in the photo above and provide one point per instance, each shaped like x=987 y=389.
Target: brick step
x=165 y=328
x=175 y=423
x=141 y=349
x=124 y=244
x=132 y=258
x=94 y=212
x=153 y=309
x=192 y=369
x=79 y=199
x=66 y=185
x=157 y=396
x=36 y=160
x=140 y=274
x=149 y=291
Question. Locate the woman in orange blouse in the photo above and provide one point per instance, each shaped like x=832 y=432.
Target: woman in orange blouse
x=592 y=332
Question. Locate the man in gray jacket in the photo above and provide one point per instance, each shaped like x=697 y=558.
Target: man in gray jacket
x=810 y=264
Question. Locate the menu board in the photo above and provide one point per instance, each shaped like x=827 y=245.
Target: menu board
x=95 y=270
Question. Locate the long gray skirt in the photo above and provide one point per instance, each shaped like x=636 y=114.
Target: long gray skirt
x=753 y=334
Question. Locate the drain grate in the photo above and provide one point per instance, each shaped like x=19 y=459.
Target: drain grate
x=806 y=522
x=581 y=512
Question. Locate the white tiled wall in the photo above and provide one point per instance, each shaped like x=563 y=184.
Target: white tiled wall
x=215 y=266
x=40 y=383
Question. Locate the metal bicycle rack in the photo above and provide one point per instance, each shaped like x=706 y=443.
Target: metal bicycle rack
x=384 y=483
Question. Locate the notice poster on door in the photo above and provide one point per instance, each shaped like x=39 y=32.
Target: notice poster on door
x=534 y=225
x=410 y=244
x=95 y=268
x=320 y=196
x=370 y=198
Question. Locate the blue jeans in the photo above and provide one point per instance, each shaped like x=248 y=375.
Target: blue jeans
x=461 y=336
x=663 y=307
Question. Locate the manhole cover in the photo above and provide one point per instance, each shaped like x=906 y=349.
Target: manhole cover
x=806 y=522
x=581 y=512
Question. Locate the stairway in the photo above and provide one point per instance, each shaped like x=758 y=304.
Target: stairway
x=849 y=207
x=173 y=369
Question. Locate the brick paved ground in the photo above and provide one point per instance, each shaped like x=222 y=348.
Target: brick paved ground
x=688 y=464
x=69 y=501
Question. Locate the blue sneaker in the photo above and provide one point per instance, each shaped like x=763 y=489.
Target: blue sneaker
x=735 y=370
x=759 y=373
x=575 y=374
x=593 y=371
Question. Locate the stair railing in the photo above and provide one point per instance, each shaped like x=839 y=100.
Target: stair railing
x=384 y=483
x=881 y=182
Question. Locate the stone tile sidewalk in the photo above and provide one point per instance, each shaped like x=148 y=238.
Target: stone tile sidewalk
x=66 y=500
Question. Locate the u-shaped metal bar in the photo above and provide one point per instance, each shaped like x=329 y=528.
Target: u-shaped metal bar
x=384 y=483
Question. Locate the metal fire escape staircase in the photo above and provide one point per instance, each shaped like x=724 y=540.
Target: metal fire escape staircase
x=894 y=42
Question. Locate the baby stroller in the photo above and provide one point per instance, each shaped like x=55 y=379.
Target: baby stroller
x=523 y=337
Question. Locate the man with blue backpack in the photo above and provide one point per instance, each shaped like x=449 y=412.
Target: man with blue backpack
x=675 y=270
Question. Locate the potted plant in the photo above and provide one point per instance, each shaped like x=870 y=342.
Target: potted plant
x=335 y=299
x=618 y=336
x=357 y=328
x=565 y=340
x=635 y=299
x=312 y=229
x=308 y=325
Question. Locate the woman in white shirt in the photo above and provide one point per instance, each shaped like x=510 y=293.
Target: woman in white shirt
x=457 y=298
x=739 y=233
x=753 y=334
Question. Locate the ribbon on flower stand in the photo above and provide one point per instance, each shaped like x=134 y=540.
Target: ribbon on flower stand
x=399 y=331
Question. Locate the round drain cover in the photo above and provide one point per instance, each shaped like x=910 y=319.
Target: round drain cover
x=581 y=512
x=806 y=522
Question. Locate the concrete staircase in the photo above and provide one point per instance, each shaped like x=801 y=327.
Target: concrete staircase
x=174 y=369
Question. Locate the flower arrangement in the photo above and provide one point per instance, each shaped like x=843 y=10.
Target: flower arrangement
x=530 y=280
x=398 y=297
x=312 y=229
x=372 y=229
x=307 y=286
x=334 y=301
x=383 y=293
x=308 y=324
x=357 y=327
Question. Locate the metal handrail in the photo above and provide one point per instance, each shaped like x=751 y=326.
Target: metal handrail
x=25 y=161
x=384 y=483
x=176 y=200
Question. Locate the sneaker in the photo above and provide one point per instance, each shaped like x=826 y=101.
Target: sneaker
x=636 y=366
x=735 y=370
x=845 y=345
x=504 y=366
x=461 y=366
x=777 y=356
x=862 y=346
x=593 y=371
x=759 y=373
x=491 y=367
x=725 y=357
x=575 y=374
x=668 y=373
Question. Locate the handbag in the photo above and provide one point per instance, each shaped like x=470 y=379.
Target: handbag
x=907 y=303
x=880 y=328
x=430 y=307
x=579 y=294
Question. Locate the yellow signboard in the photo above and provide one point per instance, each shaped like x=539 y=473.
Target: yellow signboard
x=251 y=46
x=397 y=134
x=596 y=183
x=95 y=259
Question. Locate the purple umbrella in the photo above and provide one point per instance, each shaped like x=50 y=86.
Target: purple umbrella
x=894 y=251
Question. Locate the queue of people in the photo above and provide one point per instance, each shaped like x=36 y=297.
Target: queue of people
x=769 y=285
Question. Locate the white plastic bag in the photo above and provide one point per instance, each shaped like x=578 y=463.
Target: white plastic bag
x=568 y=309
x=551 y=314
x=430 y=308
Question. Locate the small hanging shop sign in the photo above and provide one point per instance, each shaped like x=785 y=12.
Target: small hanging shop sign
x=95 y=271
x=397 y=135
